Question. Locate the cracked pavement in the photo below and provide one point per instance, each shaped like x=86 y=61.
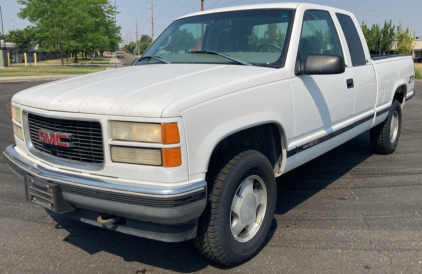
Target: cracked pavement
x=348 y=211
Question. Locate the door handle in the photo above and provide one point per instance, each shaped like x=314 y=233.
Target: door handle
x=350 y=83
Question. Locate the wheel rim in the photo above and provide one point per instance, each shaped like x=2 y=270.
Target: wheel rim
x=394 y=126
x=248 y=208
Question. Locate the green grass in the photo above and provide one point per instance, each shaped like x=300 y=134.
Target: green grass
x=16 y=71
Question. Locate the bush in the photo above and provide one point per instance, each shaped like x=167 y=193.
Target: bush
x=418 y=73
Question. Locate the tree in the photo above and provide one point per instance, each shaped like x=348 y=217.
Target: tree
x=72 y=25
x=51 y=21
x=379 y=40
x=144 y=43
x=405 y=40
x=129 y=48
x=23 y=39
x=372 y=37
x=387 y=37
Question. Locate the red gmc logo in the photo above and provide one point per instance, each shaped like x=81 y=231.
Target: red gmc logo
x=54 y=138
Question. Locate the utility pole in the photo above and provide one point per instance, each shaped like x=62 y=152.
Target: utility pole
x=137 y=41
x=152 y=20
x=115 y=28
x=202 y=5
x=2 y=29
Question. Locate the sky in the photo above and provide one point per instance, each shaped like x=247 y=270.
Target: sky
x=407 y=12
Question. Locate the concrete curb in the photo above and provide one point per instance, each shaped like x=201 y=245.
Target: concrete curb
x=36 y=78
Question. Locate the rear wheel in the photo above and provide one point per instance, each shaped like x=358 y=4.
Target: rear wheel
x=241 y=204
x=385 y=136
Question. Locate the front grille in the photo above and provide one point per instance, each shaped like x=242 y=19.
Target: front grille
x=87 y=138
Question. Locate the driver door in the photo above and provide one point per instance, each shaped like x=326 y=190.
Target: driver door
x=322 y=102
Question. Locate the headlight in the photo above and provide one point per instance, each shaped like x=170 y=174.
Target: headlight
x=138 y=132
x=140 y=156
x=16 y=114
x=144 y=132
x=18 y=132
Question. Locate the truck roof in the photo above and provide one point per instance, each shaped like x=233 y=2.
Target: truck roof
x=292 y=5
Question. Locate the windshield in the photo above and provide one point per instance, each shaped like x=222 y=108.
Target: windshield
x=252 y=37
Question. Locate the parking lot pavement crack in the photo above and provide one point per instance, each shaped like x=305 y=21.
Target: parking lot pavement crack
x=368 y=229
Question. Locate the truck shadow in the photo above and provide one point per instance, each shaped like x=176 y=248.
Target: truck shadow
x=305 y=181
x=293 y=188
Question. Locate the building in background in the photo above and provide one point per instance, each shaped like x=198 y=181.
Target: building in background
x=417 y=50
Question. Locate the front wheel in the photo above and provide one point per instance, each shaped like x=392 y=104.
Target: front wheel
x=240 y=208
x=385 y=136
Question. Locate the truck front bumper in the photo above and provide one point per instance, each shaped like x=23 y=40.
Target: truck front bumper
x=162 y=214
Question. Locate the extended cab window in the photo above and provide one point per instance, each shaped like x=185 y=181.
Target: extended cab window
x=319 y=35
x=257 y=37
x=353 y=41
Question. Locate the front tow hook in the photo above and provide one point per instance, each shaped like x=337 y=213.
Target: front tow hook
x=104 y=219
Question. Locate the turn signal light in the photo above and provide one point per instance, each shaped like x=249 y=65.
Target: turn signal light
x=170 y=134
x=172 y=157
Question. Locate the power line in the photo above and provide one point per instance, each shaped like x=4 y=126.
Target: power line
x=168 y=9
x=213 y=4
x=187 y=2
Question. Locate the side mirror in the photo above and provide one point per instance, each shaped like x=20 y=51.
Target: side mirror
x=321 y=64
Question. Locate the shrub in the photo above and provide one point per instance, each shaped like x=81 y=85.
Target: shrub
x=418 y=73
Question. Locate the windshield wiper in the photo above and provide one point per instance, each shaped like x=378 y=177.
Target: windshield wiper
x=222 y=55
x=156 y=58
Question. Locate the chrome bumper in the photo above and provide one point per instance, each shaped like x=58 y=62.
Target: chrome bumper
x=163 y=206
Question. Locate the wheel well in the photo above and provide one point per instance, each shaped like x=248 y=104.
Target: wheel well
x=400 y=94
x=266 y=139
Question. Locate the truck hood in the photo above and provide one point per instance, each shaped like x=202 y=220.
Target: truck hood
x=143 y=91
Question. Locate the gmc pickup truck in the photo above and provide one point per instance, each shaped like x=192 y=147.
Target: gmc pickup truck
x=187 y=144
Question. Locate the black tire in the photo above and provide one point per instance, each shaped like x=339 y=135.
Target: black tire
x=227 y=172
x=381 y=142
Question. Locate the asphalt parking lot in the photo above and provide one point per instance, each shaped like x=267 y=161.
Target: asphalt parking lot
x=348 y=211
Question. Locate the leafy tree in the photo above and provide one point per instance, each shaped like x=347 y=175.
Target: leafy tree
x=405 y=40
x=145 y=39
x=50 y=19
x=387 y=37
x=379 y=40
x=144 y=43
x=129 y=48
x=23 y=39
x=371 y=37
x=72 y=25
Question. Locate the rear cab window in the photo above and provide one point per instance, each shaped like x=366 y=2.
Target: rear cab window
x=353 y=40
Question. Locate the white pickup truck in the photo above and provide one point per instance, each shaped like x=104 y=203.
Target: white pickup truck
x=187 y=144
